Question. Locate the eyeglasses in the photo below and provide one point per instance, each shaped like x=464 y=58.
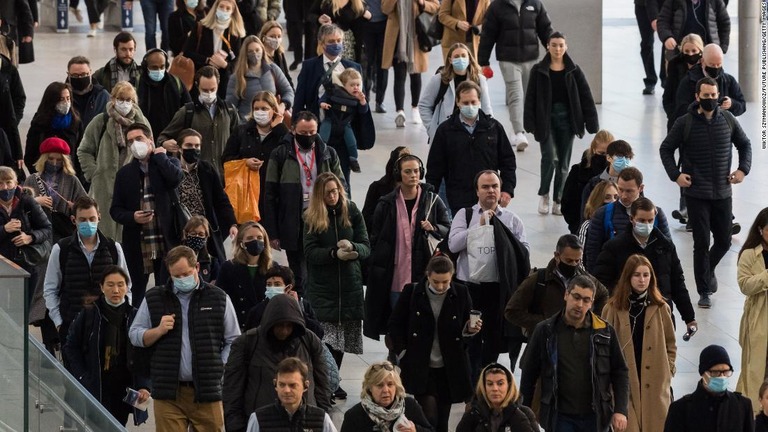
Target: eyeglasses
x=80 y=75
x=719 y=373
x=577 y=298
x=197 y=235
x=384 y=365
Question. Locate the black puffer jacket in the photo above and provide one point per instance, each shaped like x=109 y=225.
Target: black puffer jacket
x=727 y=86
x=514 y=417
x=708 y=160
x=674 y=13
x=516 y=34
x=33 y=222
x=578 y=178
x=538 y=100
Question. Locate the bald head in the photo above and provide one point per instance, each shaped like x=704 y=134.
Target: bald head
x=712 y=56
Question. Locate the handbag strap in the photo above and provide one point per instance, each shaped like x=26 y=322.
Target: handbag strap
x=431 y=204
x=40 y=186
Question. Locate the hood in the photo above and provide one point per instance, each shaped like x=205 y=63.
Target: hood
x=282 y=308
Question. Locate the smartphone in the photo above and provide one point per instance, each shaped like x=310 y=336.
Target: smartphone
x=149 y=212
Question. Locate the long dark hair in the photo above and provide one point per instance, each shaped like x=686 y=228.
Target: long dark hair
x=755 y=235
x=47 y=108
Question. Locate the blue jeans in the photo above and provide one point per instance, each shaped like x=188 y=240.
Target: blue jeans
x=576 y=423
x=151 y=10
x=556 y=152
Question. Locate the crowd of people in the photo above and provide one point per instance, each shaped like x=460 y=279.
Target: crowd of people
x=135 y=171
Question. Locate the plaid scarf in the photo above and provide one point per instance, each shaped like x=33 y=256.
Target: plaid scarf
x=132 y=70
x=151 y=237
x=382 y=416
x=120 y=122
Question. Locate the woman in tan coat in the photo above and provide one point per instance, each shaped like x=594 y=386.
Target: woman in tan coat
x=643 y=323
x=401 y=51
x=753 y=334
x=462 y=23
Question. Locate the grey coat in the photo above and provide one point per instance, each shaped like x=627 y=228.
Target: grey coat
x=272 y=79
x=432 y=115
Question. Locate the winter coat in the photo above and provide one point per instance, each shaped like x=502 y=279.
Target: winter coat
x=253 y=362
x=103 y=75
x=98 y=155
x=9 y=120
x=454 y=11
x=610 y=381
x=335 y=287
x=516 y=34
x=38 y=132
x=661 y=252
x=9 y=74
x=537 y=117
x=272 y=79
x=433 y=115
x=727 y=86
x=412 y=328
x=279 y=59
x=174 y=96
x=690 y=413
x=180 y=23
x=244 y=291
x=357 y=420
x=6 y=156
x=383 y=236
x=309 y=81
x=284 y=193
x=515 y=417
x=674 y=13
x=256 y=314
x=709 y=159
x=95 y=102
x=677 y=73
x=456 y=156
x=753 y=331
x=392 y=32
x=200 y=48
x=649 y=394
x=34 y=222
x=578 y=178
x=256 y=12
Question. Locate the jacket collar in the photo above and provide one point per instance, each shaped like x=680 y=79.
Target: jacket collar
x=547 y=60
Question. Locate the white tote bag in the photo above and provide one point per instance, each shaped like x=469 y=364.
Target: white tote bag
x=481 y=254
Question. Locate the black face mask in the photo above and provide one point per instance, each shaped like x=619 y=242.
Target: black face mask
x=190 y=155
x=708 y=104
x=566 y=270
x=305 y=141
x=713 y=72
x=254 y=247
x=80 y=84
x=599 y=162
x=691 y=59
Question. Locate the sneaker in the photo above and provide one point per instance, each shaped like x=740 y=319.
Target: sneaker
x=705 y=302
x=78 y=15
x=354 y=165
x=680 y=215
x=522 y=141
x=380 y=108
x=735 y=228
x=415 y=116
x=544 y=204
x=556 y=209
x=340 y=393
x=91 y=33
x=649 y=90
x=400 y=119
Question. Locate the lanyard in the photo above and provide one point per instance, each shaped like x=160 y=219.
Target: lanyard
x=226 y=41
x=307 y=168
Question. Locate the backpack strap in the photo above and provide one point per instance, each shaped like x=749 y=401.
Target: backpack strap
x=440 y=94
x=608 y=220
x=687 y=123
x=189 y=112
x=538 y=292
x=468 y=215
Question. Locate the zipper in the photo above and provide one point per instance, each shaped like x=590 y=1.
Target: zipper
x=338 y=262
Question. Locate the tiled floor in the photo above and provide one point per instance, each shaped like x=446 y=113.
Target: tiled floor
x=625 y=112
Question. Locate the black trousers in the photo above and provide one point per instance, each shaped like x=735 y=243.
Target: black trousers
x=302 y=39
x=436 y=402
x=707 y=216
x=484 y=348
x=373 y=38
x=298 y=263
x=401 y=71
x=646 y=44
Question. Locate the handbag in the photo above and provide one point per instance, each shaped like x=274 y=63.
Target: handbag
x=423 y=23
x=481 y=254
x=180 y=214
x=432 y=240
x=435 y=29
x=35 y=254
x=183 y=67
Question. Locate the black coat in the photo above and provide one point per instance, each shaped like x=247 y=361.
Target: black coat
x=516 y=34
x=39 y=131
x=577 y=179
x=456 y=156
x=253 y=319
x=6 y=156
x=674 y=13
x=244 y=291
x=357 y=420
x=677 y=72
x=9 y=121
x=309 y=82
x=174 y=96
x=10 y=75
x=218 y=209
x=691 y=413
x=514 y=417
x=199 y=49
x=180 y=23
x=538 y=100
x=412 y=328
x=662 y=254
x=726 y=86
x=33 y=222
x=383 y=240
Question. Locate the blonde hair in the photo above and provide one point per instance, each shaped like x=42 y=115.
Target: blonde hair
x=377 y=373
x=269 y=25
x=236 y=26
x=240 y=255
x=473 y=70
x=513 y=394
x=596 y=198
x=348 y=74
x=694 y=39
x=241 y=66
x=7 y=173
x=316 y=215
x=602 y=136
x=67 y=166
x=124 y=90
x=357 y=6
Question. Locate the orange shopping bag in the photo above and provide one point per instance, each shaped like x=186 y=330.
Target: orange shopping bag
x=242 y=188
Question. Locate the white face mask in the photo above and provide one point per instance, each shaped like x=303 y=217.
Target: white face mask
x=262 y=118
x=207 y=98
x=139 y=150
x=272 y=42
x=123 y=107
x=63 y=107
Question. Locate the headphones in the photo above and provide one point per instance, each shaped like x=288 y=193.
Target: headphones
x=399 y=161
x=152 y=51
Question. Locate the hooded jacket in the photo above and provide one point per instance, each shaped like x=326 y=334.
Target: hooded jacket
x=516 y=33
x=253 y=363
x=515 y=417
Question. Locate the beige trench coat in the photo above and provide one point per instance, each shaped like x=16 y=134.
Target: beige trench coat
x=451 y=13
x=420 y=58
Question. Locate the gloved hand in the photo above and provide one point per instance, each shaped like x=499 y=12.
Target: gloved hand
x=346 y=255
x=487 y=72
x=345 y=245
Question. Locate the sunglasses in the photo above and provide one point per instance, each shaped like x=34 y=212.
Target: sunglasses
x=384 y=365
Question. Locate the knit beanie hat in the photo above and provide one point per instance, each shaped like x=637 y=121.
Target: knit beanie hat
x=713 y=355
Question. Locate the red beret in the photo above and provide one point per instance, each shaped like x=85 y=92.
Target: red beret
x=54 y=145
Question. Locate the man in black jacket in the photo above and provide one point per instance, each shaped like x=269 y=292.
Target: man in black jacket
x=88 y=96
x=707 y=18
x=121 y=67
x=561 y=349
x=646 y=12
x=705 y=136
x=469 y=142
x=160 y=93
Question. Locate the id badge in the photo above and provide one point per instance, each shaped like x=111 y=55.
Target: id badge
x=306 y=196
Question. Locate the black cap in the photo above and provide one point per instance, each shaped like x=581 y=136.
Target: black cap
x=713 y=355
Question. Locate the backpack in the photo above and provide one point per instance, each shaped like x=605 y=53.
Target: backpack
x=189 y=113
x=688 y=123
x=610 y=230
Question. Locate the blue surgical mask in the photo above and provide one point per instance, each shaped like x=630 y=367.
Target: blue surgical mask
x=87 y=229
x=334 y=49
x=191 y=3
x=620 y=162
x=469 y=111
x=717 y=384
x=222 y=16
x=460 y=64
x=274 y=290
x=156 y=75
x=7 y=194
x=643 y=229
x=185 y=284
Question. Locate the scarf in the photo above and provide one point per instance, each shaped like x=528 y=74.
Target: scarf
x=115 y=334
x=131 y=69
x=120 y=121
x=60 y=122
x=641 y=299
x=405 y=38
x=404 y=241
x=382 y=416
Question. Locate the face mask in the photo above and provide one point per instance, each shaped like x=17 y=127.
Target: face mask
x=334 y=49
x=599 y=161
x=123 y=107
x=80 y=84
x=87 y=229
x=139 y=150
x=106 y=300
x=7 y=194
x=262 y=118
x=691 y=59
x=222 y=16
x=469 y=111
x=708 y=104
x=63 y=107
x=185 y=284
x=191 y=155
x=207 y=98
x=272 y=42
x=712 y=72
x=460 y=64
x=254 y=58
x=566 y=270
x=274 y=290
x=156 y=75
x=717 y=384
x=195 y=243
x=305 y=141
x=254 y=247
x=51 y=168
x=619 y=163
x=191 y=3
x=643 y=229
